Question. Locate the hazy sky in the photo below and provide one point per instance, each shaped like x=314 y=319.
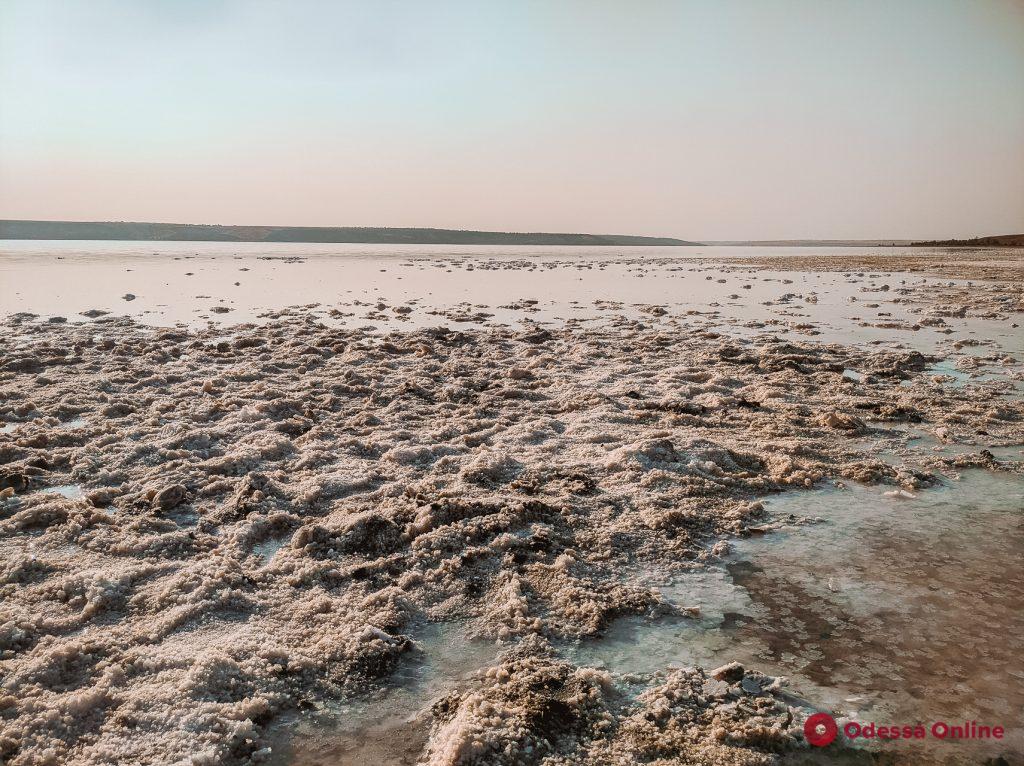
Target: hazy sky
x=716 y=119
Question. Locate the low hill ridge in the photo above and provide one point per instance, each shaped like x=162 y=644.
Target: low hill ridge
x=164 y=232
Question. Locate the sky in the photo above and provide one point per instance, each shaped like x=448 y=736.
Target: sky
x=701 y=119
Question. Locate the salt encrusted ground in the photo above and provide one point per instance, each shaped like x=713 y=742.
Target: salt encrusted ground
x=265 y=521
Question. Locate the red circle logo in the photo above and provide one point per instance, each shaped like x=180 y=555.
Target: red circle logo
x=820 y=729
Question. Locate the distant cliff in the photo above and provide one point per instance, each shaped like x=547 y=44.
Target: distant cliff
x=1004 y=240
x=164 y=232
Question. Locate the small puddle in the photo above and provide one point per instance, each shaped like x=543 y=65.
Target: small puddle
x=70 y=491
x=266 y=549
x=911 y=445
x=390 y=727
x=637 y=645
x=951 y=375
x=947 y=368
x=8 y=428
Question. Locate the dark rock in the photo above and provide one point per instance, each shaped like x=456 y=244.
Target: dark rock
x=169 y=497
x=730 y=673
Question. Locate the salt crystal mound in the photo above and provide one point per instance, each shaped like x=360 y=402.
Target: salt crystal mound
x=511 y=479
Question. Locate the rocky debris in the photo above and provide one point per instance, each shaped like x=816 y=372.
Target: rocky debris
x=16 y=482
x=102 y=497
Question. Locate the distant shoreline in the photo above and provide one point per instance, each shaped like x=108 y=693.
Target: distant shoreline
x=127 y=231
x=182 y=232
x=1004 y=240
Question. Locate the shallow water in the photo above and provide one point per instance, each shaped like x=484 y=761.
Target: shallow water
x=888 y=610
x=390 y=727
x=190 y=282
x=1010 y=376
x=916 y=447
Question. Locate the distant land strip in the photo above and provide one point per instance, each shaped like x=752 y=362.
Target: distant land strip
x=809 y=242
x=1003 y=240
x=167 y=232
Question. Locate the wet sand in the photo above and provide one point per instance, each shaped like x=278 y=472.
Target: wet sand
x=222 y=540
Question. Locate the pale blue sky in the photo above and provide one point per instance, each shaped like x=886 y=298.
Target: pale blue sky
x=717 y=119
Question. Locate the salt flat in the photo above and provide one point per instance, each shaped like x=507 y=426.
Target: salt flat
x=264 y=516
